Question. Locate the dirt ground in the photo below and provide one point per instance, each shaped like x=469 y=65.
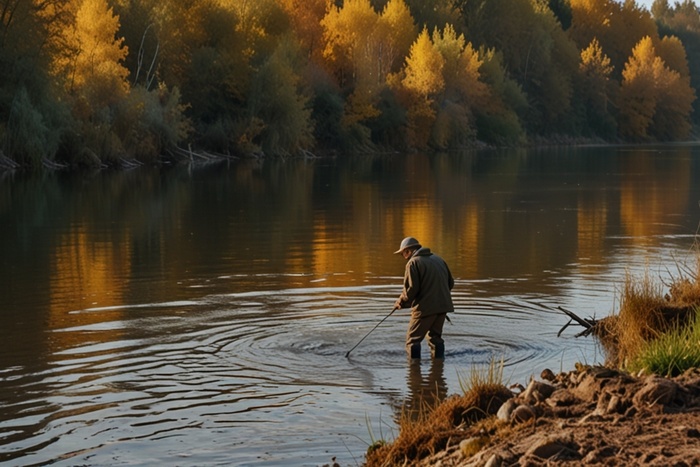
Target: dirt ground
x=590 y=416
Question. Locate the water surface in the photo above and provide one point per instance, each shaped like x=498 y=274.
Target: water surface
x=201 y=315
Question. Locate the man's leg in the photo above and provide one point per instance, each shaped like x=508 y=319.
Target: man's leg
x=437 y=345
x=417 y=329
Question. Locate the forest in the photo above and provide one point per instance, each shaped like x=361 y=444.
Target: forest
x=110 y=83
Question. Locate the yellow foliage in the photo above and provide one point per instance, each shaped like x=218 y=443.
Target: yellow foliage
x=653 y=96
x=596 y=70
x=594 y=61
x=362 y=47
x=618 y=26
x=97 y=76
x=306 y=16
x=424 y=67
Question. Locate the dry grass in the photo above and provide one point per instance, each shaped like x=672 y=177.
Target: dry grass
x=431 y=431
x=647 y=313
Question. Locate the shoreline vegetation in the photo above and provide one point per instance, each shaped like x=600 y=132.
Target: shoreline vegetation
x=641 y=407
x=94 y=84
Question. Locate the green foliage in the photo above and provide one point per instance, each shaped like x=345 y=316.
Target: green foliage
x=27 y=137
x=671 y=353
x=499 y=121
x=151 y=122
x=278 y=102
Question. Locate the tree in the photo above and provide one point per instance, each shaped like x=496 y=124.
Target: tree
x=618 y=27
x=278 y=102
x=463 y=91
x=96 y=76
x=596 y=89
x=306 y=16
x=682 y=21
x=499 y=119
x=362 y=47
x=655 y=101
x=433 y=14
x=423 y=81
x=33 y=110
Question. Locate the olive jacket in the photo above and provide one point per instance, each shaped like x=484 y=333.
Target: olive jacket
x=426 y=286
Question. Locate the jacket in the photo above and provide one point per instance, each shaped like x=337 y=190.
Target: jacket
x=427 y=285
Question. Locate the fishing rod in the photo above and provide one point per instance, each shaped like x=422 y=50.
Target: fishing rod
x=370 y=332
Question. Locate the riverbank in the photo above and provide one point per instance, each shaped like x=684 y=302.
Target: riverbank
x=593 y=415
x=588 y=416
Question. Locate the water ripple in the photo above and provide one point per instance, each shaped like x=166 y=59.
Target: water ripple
x=227 y=363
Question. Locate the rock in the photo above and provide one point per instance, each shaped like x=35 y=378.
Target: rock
x=617 y=405
x=656 y=391
x=562 y=398
x=522 y=413
x=494 y=461
x=536 y=392
x=547 y=375
x=506 y=410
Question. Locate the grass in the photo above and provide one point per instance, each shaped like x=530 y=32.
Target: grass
x=434 y=427
x=653 y=331
x=671 y=353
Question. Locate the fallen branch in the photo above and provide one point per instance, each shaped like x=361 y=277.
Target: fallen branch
x=6 y=163
x=53 y=165
x=589 y=324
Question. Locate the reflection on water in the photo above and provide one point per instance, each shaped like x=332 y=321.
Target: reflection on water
x=202 y=317
x=425 y=391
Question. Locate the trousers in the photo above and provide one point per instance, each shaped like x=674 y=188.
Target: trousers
x=419 y=328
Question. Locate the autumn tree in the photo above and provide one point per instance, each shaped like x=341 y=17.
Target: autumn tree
x=597 y=89
x=306 y=16
x=618 y=27
x=682 y=20
x=142 y=38
x=362 y=47
x=463 y=91
x=655 y=101
x=95 y=73
x=535 y=50
x=423 y=82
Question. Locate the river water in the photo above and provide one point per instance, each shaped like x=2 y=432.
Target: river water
x=202 y=315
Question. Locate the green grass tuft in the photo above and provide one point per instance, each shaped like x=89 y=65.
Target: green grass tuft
x=671 y=353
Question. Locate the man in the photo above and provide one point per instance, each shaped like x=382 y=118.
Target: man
x=427 y=286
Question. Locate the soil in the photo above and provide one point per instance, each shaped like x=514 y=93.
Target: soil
x=590 y=416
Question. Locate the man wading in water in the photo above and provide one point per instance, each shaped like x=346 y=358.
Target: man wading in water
x=427 y=284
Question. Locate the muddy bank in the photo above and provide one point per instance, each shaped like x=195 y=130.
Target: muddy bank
x=589 y=416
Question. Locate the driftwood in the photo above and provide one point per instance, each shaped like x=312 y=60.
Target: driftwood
x=6 y=163
x=590 y=325
x=191 y=156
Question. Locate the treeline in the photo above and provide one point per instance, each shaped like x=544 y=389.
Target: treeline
x=97 y=82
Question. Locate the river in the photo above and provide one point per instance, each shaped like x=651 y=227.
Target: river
x=199 y=316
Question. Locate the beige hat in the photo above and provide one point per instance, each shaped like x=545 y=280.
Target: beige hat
x=407 y=242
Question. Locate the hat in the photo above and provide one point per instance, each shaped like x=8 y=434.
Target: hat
x=408 y=242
